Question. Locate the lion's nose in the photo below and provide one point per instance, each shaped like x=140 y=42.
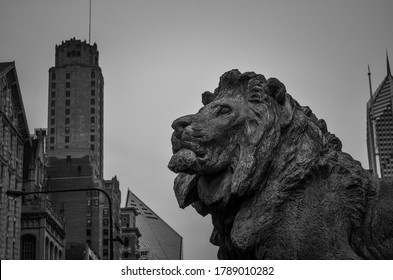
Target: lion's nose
x=180 y=124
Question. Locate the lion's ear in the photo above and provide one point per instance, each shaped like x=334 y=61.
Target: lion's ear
x=276 y=89
x=207 y=97
x=286 y=111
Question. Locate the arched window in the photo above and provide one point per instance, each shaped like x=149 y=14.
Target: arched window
x=60 y=254
x=47 y=248
x=55 y=256
x=93 y=74
x=51 y=251
x=28 y=247
x=53 y=76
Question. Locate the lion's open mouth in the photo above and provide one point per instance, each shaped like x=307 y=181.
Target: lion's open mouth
x=187 y=156
x=185 y=161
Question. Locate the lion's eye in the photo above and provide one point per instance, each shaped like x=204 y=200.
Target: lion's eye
x=224 y=110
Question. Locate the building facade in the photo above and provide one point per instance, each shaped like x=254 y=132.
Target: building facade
x=42 y=230
x=75 y=144
x=158 y=240
x=75 y=104
x=14 y=132
x=112 y=188
x=380 y=126
x=130 y=234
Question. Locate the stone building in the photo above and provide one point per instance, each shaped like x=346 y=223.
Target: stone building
x=112 y=188
x=42 y=230
x=158 y=240
x=14 y=132
x=76 y=104
x=130 y=234
x=380 y=126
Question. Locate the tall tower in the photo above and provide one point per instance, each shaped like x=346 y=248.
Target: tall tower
x=380 y=126
x=75 y=145
x=75 y=104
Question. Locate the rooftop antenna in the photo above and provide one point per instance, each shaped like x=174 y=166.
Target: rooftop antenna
x=369 y=83
x=89 y=21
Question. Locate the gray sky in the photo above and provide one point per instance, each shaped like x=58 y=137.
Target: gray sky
x=157 y=57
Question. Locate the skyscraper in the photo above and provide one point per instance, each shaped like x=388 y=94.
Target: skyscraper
x=380 y=126
x=75 y=144
x=159 y=241
x=75 y=104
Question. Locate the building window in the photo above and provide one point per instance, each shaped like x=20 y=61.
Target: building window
x=52 y=140
x=68 y=93
x=52 y=131
x=92 y=138
x=28 y=247
x=105 y=252
x=52 y=148
x=93 y=74
x=96 y=202
x=92 y=101
x=88 y=201
x=93 y=92
x=88 y=232
x=105 y=242
x=53 y=94
x=105 y=232
x=105 y=212
x=68 y=84
x=52 y=112
x=92 y=110
x=88 y=222
x=96 y=193
x=67 y=139
x=68 y=76
x=67 y=102
x=92 y=128
x=67 y=130
x=67 y=111
x=92 y=147
x=67 y=120
x=105 y=222
x=52 y=121
x=53 y=85
x=66 y=147
x=126 y=242
x=93 y=83
x=92 y=120
x=53 y=103
x=53 y=76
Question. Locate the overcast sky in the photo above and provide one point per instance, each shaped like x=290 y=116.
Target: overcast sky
x=157 y=57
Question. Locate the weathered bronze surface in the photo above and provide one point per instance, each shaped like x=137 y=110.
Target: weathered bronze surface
x=275 y=180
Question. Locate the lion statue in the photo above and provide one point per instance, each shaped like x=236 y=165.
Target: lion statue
x=275 y=180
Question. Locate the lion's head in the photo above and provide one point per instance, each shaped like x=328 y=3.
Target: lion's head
x=218 y=150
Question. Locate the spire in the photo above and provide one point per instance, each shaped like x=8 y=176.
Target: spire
x=387 y=63
x=89 y=21
x=369 y=83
